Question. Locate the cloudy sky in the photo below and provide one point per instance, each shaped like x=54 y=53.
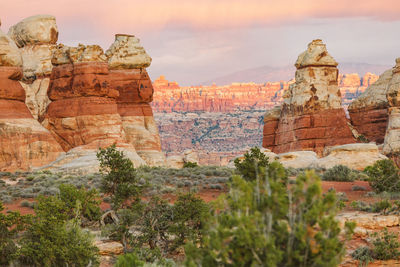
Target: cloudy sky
x=192 y=41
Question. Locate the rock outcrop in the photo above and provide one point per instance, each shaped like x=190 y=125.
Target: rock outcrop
x=127 y=61
x=312 y=116
x=369 y=112
x=391 y=145
x=24 y=143
x=82 y=86
x=355 y=156
x=36 y=38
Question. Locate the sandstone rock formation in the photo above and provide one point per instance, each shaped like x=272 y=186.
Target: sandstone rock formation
x=392 y=138
x=36 y=38
x=354 y=156
x=311 y=116
x=298 y=159
x=127 y=61
x=82 y=86
x=369 y=112
x=24 y=143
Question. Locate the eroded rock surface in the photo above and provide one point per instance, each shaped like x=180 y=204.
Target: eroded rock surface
x=311 y=116
x=369 y=112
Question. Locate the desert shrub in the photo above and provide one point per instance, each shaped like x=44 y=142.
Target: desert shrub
x=363 y=255
x=358 y=188
x=118 y=177
x=26 y=204
x=129 y=260
x=86 y=200
x=338 y=173
x=384 y=176
x=253 y=164
x=52 y=240
x=262 y=222
x=11 y=224
x=362 y=138
x=383 y=206
x=385 y=245
x=190 y=165
x=189 y=215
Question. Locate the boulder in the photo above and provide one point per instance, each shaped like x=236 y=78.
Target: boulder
x=311 y=116
x=109 y=248
x=127 y=53
x=369 y=112
x=369 y=221
x=298 y=159
x=354 y=156
x=9 y=53
x=83 y=160
x=40 y=29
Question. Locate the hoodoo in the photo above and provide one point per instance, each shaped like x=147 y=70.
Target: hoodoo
x=127 y=61
x=24 y=143
x=311 y=116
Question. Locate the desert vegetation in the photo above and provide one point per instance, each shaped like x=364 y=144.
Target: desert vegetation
x=258 y=214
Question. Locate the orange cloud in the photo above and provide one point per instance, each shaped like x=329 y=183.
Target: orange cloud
x=156 y=14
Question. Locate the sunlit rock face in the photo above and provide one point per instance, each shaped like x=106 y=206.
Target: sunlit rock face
x=369 y=112
x=392 y=138
x=83 y=108
x=311 y=116
x=24 y=143
x=127 y=61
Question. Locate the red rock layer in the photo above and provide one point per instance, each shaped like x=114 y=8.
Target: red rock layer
x=84 y=108
x=135 y=93
x=24 y=143
x=269 y=132
x=312 y=131
x=371 y=123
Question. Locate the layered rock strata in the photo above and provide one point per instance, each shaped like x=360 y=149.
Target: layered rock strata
x=392 y=138
x=24 y=143
x=127 y=61
x=36 y=38
x=311 y=116
x=84 y=109
x=369 y=112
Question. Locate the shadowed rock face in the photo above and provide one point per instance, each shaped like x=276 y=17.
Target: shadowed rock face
x=311 y=116
x=369 y=112
x=392 y=138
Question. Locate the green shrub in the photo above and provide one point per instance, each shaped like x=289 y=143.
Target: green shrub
x=118 y=177
x=86 y=200
x=51 y=240
x=253 y=164
x=385 y=245
x=383 y=206
x=358 y=188
x=384 y=176
x=261 y=222
x=338 y=173
x=190 y=165
x=11 y=224
x=363 y=255
x=129 y=260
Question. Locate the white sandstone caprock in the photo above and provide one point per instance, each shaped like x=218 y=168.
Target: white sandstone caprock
x=127 y=53
x=9 y=53
x=40 y=29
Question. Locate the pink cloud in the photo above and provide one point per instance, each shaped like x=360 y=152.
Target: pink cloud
x=156 y=14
